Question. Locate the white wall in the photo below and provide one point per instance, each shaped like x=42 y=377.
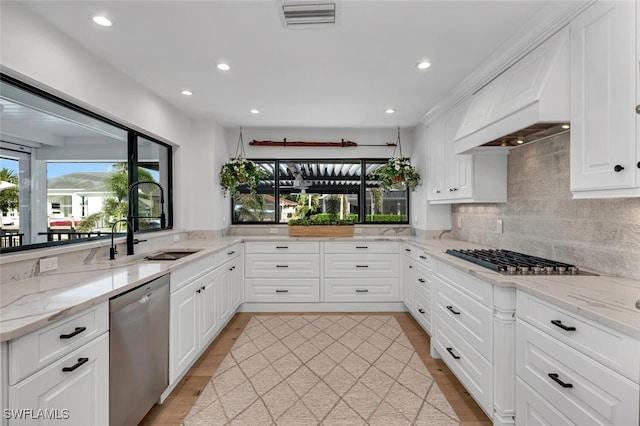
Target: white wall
x=36 y=53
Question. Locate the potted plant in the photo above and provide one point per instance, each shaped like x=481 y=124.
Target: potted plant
x=240 y=171
x=326 y=224
x=395 y=171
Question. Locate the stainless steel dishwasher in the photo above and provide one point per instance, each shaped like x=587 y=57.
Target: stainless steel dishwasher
x=139 y=351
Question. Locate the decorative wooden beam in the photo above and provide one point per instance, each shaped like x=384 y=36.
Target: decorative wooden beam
x=285 y=143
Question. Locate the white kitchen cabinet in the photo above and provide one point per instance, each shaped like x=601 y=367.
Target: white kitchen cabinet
x=408 y=276
x=184 y=334
x=583 y=369
x=61 y=371
x=605 y=147
x=463 y=178
x=236 y=278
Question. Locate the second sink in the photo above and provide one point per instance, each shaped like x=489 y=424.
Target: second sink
x=170 y=255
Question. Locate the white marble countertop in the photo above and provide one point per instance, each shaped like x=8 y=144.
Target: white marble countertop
x=29 y=304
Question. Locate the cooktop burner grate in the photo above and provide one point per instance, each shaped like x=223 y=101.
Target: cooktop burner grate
x=513 y=263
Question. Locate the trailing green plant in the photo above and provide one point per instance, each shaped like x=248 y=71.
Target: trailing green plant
x=396 y=171
x=240 y=171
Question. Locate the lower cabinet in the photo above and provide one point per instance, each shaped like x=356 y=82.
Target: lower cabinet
x=417 y=282
x=72 y=385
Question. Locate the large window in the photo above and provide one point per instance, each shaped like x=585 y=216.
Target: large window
x=318 y=188
x=66 y=172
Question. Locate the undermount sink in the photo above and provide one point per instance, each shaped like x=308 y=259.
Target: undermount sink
x=169 y=255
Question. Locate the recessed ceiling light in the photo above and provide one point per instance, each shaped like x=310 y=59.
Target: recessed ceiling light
x=101 y=20
x=389 y=110
x=254 y=111
x=519 y=141
x=223 y=67
x=187 y=92
x=423 y=65
x=565 y=126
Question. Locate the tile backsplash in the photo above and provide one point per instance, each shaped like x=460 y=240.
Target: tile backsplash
x=541 y=218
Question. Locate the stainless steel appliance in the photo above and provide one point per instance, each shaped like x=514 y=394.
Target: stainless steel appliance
x=514 y=263
x=139 y=351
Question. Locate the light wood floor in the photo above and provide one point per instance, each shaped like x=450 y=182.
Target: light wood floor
x=178 y=404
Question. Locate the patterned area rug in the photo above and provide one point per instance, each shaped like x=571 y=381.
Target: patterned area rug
x=322 y=369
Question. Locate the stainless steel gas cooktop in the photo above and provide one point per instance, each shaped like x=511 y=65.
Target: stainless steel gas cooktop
x=514 y=263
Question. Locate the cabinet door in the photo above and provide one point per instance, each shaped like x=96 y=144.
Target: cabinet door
x=237 y=283
x=76 y=397
x=207 y=308
x=184 y=337
x=435 y=150
x=603 y=93
x=408 y=277
x=223 y=294
x=458 y=166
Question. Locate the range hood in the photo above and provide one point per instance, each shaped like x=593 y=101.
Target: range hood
x=527 y=102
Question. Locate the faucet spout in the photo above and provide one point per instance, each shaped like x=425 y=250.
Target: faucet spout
x=131 y=216
x=112 y=250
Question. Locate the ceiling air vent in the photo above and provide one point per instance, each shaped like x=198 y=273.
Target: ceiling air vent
x=308 y=15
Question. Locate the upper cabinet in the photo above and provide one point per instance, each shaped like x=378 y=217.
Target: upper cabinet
x=463 y=178
x=605 y=148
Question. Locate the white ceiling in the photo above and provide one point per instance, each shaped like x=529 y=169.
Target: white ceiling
x=339 y=77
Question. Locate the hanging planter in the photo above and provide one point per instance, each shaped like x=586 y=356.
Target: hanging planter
x=240 y=171
x=398 y=171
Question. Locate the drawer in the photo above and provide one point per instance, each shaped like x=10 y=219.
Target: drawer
x=471 y=368
x=422 y=286
x=41 y=347
x=361 y=266
x=424 y=259
x=81 y=394
x=533 y=410
x=613 y=349
x=585 y=391
x=279 y=266
x=229 y=253
x=272 y=290
x=360 y=247
x=183 y=276
x=422 y=310
x=409 y=250
x=470 y=319
x=362 y=290
x=471 y=286
x=282 y=247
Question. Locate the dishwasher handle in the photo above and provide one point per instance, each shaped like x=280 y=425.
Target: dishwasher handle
x=140 y=294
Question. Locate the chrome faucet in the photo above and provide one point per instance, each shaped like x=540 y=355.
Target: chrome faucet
x=112 y=250
x=131 y=217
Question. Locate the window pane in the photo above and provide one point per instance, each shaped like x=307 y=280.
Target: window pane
x=10 y=203
x=258 y=207
x=383 y=206
x=153 y=165
x=324 y=189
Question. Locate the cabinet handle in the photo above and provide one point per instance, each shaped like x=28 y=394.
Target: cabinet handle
x=422 y=280
x=450 y=350
x=203 y=288
x=410 y=249
x=362 y=290
x=282 y=291
x=76 y=365
x=637 y=109
x=453 y=311
x=618 y=168
x=77 y=331
x=282 y=266
x=362 y=266
x=232 y=268
x=555 y=378
x=559 y=323
x=198 y=291
x=638 y=164
x=230 y=252
x=423 y=257
x=410 y=266
x=437 y=191
x=282 y=247
x=421 y=310
x=362 y=247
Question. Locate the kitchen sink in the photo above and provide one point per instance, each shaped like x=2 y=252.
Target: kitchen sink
x=169 y=255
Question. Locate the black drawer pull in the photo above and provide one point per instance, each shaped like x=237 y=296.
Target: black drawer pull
x=450 y=350
x=232 y=268
x=199 y=291
x=453 y=311
x=409 y=250
x=362 y=266
x=282 y=291
x=203 y=288
x=282 y=266
x=421 y=311
x=423 y=257
x=231 y=252
x=77 y=331
x=362 y=290
x=555 y=378
x=282 y=246
x=410 y=266
x=422 y=280
x=362 y=247
x=76 y=365
x=559 y=323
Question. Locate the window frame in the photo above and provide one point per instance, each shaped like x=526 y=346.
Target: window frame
x=361 y=191
x=132 y=164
